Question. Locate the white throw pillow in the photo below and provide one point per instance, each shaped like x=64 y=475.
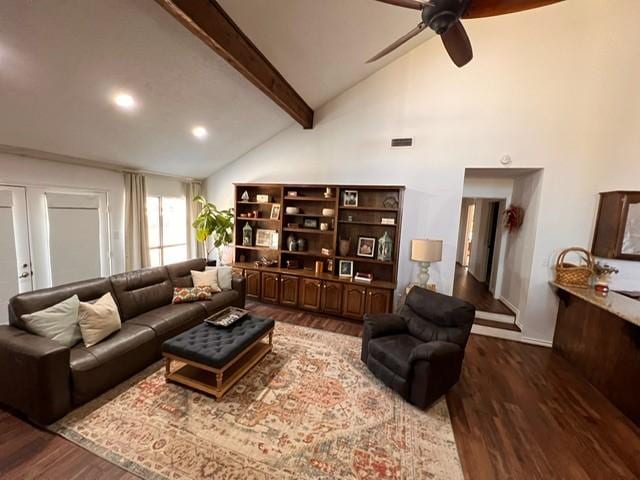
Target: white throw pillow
x=58 y=322
x=225 y=276
x=98 y=320
x=208 y=278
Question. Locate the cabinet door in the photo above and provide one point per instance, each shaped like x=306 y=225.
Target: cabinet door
x=354 y=301
x=270 y=287
x=310 y=294
x=378 y=300
x=252 y=278
x=288 y=290
x=332 y=298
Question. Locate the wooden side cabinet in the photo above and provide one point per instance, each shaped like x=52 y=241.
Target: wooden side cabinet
x=252 y=278
x=289 y=290
x=332 y=298
x=378 y=301
x=354 y=301
x=310 y=294
x=617 y=233
x=270 y=287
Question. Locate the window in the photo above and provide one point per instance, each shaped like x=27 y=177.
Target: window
x=167 y=218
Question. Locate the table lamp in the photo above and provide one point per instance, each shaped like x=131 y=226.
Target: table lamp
x=425 y=251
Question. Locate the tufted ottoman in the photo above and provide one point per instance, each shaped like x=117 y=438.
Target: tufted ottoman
x=212 y=358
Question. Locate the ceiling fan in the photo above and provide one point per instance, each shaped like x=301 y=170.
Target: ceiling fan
x=443 y=17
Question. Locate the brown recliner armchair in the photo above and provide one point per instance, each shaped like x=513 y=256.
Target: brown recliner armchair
x=418 y=352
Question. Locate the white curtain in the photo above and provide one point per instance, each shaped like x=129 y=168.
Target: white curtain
x=136 y=242
x=195 y=249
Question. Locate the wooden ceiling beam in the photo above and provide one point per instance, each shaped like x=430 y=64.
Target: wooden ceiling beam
x=210 y=23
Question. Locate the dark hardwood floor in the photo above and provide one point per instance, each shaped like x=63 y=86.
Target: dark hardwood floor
x=467 y=288
x=518 y=412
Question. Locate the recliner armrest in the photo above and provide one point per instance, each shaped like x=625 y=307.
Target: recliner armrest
x=384 y=324
x=34 y=375
x=238 y=283
x=434 y=351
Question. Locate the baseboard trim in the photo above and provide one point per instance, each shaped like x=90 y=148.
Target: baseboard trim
x=538 y=342
x=509 y=335
x=513 y=308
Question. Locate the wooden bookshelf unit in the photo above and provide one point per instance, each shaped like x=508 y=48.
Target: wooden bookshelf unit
x=302 y=211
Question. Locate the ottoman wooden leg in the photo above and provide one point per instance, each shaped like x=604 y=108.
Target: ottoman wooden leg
x=167 y=367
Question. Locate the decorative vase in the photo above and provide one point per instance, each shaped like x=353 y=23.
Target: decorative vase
x=247 y=235
x=344 y=246
x=385 y=248
x=302 y=244
x=292 y=244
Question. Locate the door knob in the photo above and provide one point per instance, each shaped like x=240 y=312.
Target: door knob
x=24 y=275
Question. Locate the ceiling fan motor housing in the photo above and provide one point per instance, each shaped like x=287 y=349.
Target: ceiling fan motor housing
x=439 y=15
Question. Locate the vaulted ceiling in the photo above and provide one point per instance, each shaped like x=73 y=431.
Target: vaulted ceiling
x=61 y=62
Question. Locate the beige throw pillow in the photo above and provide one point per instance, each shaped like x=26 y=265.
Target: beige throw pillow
x=208 y=278
x=58 y=322
x=225 y=276
x=98 y=320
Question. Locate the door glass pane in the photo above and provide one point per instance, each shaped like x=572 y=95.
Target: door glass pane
x=74 y=243
x=174 y=254
x=174 y=221
x=153 y=220
x=8 y=262
x=154 y=257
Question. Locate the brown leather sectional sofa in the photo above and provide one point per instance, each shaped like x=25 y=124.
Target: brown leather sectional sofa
x=45 y=380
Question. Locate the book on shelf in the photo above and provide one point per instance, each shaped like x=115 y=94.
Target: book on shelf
x=363 y=277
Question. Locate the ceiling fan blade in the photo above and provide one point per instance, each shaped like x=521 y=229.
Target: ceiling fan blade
x=457 y=43
x=421 y=26
x=491 y=8
x=405 y=3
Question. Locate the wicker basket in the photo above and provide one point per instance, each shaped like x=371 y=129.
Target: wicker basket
x=574 y=275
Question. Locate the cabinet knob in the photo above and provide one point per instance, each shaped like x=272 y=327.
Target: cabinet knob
x=370 y=294
x=324 y=286
x=363 y=292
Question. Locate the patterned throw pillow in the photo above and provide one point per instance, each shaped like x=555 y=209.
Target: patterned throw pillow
x=193 y=294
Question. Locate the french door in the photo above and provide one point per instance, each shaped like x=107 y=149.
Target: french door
x=49 y=237
x=16 y=275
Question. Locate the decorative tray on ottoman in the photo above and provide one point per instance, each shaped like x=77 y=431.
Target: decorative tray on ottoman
x=226 y=317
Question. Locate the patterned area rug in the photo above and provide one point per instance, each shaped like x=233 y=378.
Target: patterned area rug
x=309 y=410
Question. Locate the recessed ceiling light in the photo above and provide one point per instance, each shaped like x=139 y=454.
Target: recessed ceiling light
x=125 y=101
x=199 y=132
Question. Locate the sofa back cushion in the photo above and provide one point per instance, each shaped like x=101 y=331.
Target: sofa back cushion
x=433 y=316
x=141 y=291
x=30 y=302
x=180 y=273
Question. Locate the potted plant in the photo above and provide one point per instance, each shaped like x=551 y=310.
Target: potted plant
x=213 y=224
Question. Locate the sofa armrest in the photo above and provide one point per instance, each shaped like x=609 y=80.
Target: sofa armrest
x=34 y=375
x=384 y=324
x=435 y=351
x=238 y=283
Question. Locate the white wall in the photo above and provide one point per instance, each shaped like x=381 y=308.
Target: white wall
x=19 y=170
x=555 y=88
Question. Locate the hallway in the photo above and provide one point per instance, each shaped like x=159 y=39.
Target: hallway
x=467 y=288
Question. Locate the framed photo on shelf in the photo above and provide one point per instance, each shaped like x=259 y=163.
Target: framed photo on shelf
x=261 y=198
x=310 y=223
x=366 y=247
x=266 y=238
x=345 y=269
x=350 y=198
x=275 y=212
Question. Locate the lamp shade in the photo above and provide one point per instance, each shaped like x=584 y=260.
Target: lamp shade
x=423 y=250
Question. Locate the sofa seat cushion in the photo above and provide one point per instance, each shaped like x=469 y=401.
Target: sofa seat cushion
x=221 y=300
x=98 y=368
x=216 y=346
x=393 y=352
x=169 y=320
